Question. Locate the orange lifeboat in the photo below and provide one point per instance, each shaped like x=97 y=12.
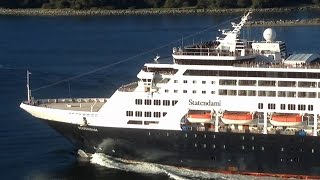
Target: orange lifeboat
x=199 y=116
x=278 y=119
x=237 y=117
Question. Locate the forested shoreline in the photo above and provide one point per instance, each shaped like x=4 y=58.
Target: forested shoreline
x=143 y=4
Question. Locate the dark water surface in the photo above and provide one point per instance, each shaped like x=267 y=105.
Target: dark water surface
x=56 y=48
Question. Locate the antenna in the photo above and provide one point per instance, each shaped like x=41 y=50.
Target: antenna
x=182 y=41
x=69 y=89
x=28 y=86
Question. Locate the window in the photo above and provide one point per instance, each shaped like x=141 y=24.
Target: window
x=139 y=101
x=147 y=114
x=174 y=102
x=231 y=92
x=310 y=107
x=271 y=106
x=164 y=114
x=291 y=107
x=271 y=93
x=147 y=101
x=228 y=82
x=203 y=92
x=307 y=94
x=157 y=114
x=203 y=82
x=194 y=91
x=286 y=83
x=194 y=81
x=260 y=105
x=307 y=84
x=166 y=91
x=184 y=91
x=262 y=93
x=290 y=94
x=129 y=113
x=282 y=106
x=301 y=107
x=166 y=102
x=281 y=94
x=157 y=102
x=134 y=122
x=213 y=92
x=311 y=94
x=185 y=81
x=213 y=82
x=175 y=81
x=286 y=94
x=222 y=92
x=247 y=82
x=242 y=92
x=267 y=83
x=254 y=74
x=251 y=93
x=175 y=91
x=138 y=113
x=150 y=122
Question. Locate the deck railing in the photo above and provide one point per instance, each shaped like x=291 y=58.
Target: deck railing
x=278 y=65
x=66 y=100
x=129 y=87
x=210 y=52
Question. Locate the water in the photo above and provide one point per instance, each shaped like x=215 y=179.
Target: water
x=56 y=48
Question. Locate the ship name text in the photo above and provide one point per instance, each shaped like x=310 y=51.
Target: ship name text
x=204 y=103
x=87 y=129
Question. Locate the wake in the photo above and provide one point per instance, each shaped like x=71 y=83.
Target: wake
x=171 y=171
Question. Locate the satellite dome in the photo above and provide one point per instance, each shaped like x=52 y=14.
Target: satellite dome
x=269 y=35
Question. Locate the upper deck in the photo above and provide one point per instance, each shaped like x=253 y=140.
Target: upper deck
x=72 y=104
x=210 y=49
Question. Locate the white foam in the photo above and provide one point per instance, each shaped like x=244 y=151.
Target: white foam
x=171 y=171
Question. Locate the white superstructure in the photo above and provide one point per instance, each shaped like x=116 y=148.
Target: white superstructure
x=226 y=84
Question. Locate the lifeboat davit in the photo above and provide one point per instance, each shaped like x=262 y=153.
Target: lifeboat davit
x=237 y=117
x=199 y=116
x=278 y=119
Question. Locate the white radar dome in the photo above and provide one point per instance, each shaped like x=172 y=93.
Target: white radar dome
x=269 y=35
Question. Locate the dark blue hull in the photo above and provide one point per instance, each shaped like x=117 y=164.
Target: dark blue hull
x=223 y=151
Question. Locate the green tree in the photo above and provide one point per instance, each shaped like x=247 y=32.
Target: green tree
x=244 y=3
x=205 y=3
x=170 y=4
x=316 y=1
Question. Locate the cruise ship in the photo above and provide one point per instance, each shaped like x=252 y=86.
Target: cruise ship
x=228 y=104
